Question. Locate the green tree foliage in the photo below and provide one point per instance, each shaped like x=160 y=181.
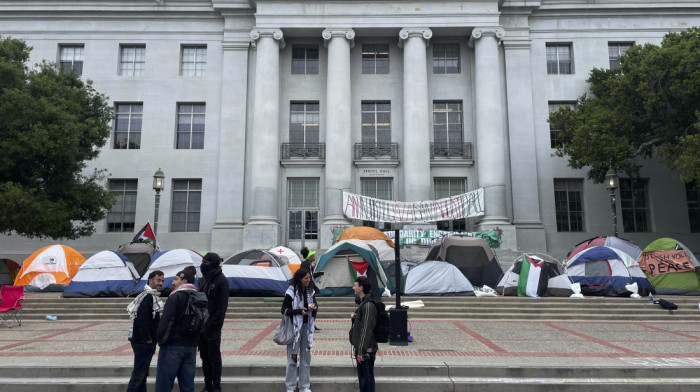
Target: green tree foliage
x=51 y=124
x=649 y=107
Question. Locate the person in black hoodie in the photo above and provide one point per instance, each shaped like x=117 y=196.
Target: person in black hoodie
x=178 y=353
x=215 y=286
x=145 y=315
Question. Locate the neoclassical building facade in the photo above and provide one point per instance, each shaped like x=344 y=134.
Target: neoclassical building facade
x=262 y=112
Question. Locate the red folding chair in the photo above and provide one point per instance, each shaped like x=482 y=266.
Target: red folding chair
x=11 y=305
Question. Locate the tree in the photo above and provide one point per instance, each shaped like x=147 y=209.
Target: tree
x=51 y=124
x=648 y=107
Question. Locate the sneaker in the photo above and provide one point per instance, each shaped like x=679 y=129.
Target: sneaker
x=305 y=390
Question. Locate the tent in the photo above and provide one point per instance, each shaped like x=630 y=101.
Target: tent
x=390 y=268
x=541 y=277
x=290 y=257
x=610 y=241
x=140 y=254
x=605 y=271
x=106 y=274
x=437 y=278
x=671 y=268
x=49 y=269
x=8 y=271
x=473 y=256
x=170 y=262
x=371 y=236
x=258 y=257
x=253 y=281
x=338 y=268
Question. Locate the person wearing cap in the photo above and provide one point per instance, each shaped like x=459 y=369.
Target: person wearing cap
x=309 y=264
x=178 y=353
x=215 y=285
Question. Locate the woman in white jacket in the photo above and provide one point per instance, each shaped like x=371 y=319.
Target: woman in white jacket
x=300 y=304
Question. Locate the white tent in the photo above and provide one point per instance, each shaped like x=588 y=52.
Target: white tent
x=254 y=281
x=171 y=262
x=544 y=278
x=291 y=256
x=437 y=278
x=106 y=274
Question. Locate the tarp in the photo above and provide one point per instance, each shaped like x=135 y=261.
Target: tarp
x=437 y=278
x=8 y=271
x=252 y=281
x=605 y=271
x=106 y=274
x=541 y=278
x=342 y=263
x=171 y=262
x=50 y=268
x=671 y=268
x=473 y=256
x=257 y=257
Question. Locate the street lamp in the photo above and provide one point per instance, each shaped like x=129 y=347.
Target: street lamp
x=611 y=183
x=158 y=186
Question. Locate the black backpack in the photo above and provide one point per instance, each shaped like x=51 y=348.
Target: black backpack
x=668 y=305
x=196 y=314
x=382 y=329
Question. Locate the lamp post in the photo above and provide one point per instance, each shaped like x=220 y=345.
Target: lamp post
x=158 y=186
x=611 y=183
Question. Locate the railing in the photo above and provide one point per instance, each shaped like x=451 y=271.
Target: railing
x=303 y=151
x=451 y=150
x=388 y=151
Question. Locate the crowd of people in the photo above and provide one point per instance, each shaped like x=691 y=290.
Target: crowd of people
x=172 y=330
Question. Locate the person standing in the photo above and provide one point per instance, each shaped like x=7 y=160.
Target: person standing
x=362 y=336
x=300 y=304
x=310 y=264
x=178 y=353
x=144 y=315
x=215 y=286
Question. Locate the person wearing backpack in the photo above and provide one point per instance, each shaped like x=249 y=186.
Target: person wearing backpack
x=178 y=346
x=300 y=304
x=215 y=286
x=362 y=338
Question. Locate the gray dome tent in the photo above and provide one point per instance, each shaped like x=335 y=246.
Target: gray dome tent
x=437 y=278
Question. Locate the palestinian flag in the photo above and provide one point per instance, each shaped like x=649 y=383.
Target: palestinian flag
x=534 y=277
x=145 y=235
x=357 y=268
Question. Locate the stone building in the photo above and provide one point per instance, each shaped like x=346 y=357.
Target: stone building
x=261 y=112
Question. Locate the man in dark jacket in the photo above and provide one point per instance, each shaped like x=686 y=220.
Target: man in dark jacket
x=145 y=315
x=215 y=286
x=178 y=352
x=362 y=336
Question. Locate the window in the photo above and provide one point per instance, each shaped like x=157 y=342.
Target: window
x=375 y=59
x=305 y=59
x=634 y=197
x=376 y=122
x=568 y=201
x=132 y=60
x=692 y=195
x=559 y=59
x=187 y=201
x=615 y=50
x=302 y=205
x=554 y=140
x=447 y=129
x=190 y=126
x=127 y=126
x=71 y=58
x=378 y=188
x=122 y=216
x=446 y=59
x=303 y=130
x=194 y=60
x=446 y=187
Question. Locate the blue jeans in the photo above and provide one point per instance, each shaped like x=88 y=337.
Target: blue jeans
x=304 y=359
x=176 y=361
x=143 y=353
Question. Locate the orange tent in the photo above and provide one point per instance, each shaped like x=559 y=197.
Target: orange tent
x=364 y=233
x=51 y=265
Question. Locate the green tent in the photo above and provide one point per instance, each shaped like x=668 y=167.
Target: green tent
x=671 y=268
x=342 y=263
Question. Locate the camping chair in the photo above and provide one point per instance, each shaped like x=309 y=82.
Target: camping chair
x=11 y=305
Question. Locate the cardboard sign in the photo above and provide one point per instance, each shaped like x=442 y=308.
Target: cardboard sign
x=666 y=262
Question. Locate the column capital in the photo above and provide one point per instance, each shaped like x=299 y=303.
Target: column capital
x=478 y=32
x=348 y=34
x=275 y=34
x=424 y=33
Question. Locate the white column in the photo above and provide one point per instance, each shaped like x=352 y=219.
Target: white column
x=490 y=140
x=416 y=112
x=338 y=138
x=262 y=229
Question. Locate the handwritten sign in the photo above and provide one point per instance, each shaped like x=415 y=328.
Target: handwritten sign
x=665 y=262
x=455 y=207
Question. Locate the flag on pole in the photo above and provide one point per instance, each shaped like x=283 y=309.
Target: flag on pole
x=145 y=235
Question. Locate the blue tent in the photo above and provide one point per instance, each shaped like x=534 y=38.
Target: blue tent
x=171 y=262
x=256 y=281
x=106 y=274
x=604 y=271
